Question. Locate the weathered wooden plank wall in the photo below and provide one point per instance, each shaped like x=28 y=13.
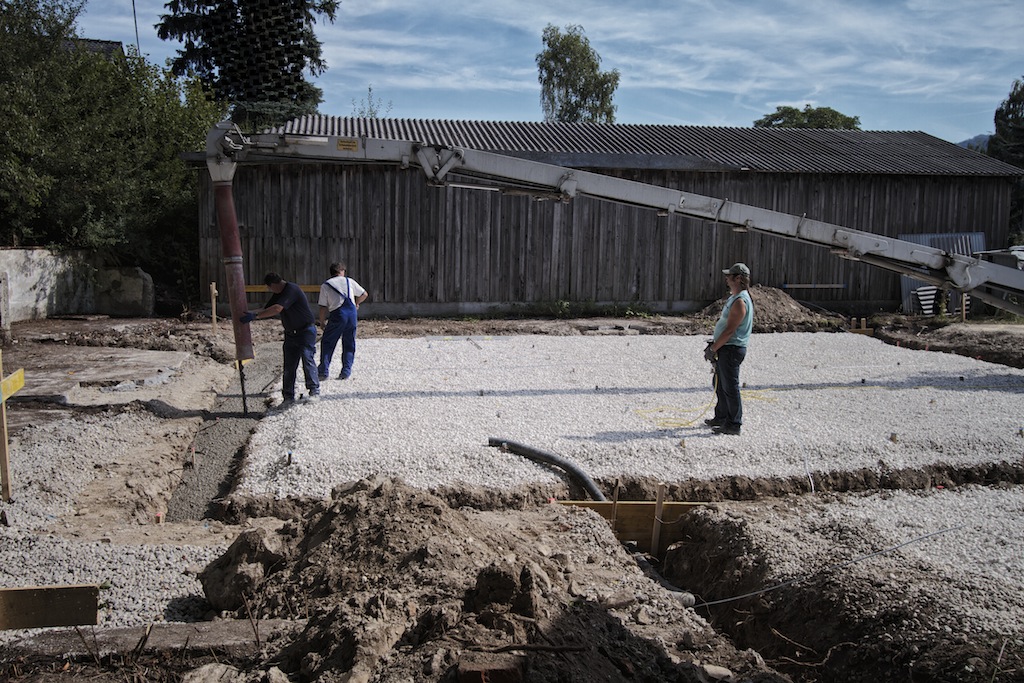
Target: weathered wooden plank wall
x=420 y=249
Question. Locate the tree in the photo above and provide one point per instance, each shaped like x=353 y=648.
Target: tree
x=370 y=108
x=90 y=154
x=573 y=89
x=809 y=117
x=252 y=54
x=33 y=36
x=1007 y=144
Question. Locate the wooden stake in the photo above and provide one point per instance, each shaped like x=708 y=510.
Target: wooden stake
x=615 y=503
x=213 y=305
x=659 y=506
x=8 y=387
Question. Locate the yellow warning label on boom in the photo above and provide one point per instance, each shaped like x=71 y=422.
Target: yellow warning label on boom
x=348 y=144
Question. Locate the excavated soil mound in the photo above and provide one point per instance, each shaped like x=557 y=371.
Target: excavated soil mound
x=776 y=311
x=398 y=586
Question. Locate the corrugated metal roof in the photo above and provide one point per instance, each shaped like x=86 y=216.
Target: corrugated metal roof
x=775 y=150
x=107 y=48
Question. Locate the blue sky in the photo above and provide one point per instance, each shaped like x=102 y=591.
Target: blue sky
x=938 y=66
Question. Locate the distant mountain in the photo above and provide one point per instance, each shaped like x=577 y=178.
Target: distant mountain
x=977 y=142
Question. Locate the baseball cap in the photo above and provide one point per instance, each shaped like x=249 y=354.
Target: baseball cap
x=737 y=269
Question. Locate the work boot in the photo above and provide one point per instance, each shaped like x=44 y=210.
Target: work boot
x=715 y=422
x=732 y=430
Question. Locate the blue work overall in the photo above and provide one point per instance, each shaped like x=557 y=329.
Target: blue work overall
x=341 y=324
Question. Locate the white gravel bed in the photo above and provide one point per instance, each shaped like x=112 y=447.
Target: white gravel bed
x=424 y=409
x=139 y=584
x=51 y=464
x=959 y=548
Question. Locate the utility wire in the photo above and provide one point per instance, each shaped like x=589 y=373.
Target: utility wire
x=135 y=16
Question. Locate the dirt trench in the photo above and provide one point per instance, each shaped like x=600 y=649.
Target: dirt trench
x=381 y=552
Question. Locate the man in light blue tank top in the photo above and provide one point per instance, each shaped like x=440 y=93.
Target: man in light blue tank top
x=729 y=348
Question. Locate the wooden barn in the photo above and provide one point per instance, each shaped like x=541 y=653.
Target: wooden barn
x=424 y=250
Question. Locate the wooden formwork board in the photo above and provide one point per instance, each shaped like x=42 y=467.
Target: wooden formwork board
x=43 y=606
x=642 y=522
x=257 y=289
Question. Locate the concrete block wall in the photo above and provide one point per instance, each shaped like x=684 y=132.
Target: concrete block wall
x=40 y=283
x=124 y=292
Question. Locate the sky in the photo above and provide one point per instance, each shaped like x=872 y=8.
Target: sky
x=938 y=66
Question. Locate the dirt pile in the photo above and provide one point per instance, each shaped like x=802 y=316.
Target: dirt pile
x=833 y=624
x=993 y=343
x=776 y=311
x=396 y=585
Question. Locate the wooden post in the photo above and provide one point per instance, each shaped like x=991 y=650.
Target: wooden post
x=9 y=386
x=213 y=305
x=615 y=503
x=659 y=506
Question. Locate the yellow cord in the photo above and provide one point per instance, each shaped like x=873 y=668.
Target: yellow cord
x=674 y=423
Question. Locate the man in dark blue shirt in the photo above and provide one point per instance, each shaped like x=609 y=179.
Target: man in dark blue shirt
x=289 y=301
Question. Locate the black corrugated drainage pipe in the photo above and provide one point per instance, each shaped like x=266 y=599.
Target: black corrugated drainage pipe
x=546 y=458
x=551 y=459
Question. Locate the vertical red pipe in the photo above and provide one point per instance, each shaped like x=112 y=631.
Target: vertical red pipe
x=231 y=251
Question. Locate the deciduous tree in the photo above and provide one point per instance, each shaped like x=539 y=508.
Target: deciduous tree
x=573 y=87
x=808 y=117
x=370 y=108
x=90 y=154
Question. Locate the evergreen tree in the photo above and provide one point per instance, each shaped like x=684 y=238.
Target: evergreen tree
x=1007 y=144
x=573 y=87
x=252 y=54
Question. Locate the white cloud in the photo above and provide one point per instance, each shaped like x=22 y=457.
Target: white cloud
x=723 y=62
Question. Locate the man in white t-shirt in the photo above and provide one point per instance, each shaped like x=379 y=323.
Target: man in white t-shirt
x=339 y=301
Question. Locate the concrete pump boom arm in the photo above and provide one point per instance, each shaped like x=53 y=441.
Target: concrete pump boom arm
x=445 y=165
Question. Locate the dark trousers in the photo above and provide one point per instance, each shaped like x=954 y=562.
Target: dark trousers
x=299 y=347
x=341 y=326
x=727 y=384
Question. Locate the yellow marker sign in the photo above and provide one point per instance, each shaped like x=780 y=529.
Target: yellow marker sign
x=348 y=144
x=9 y=386
x=11 y=383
